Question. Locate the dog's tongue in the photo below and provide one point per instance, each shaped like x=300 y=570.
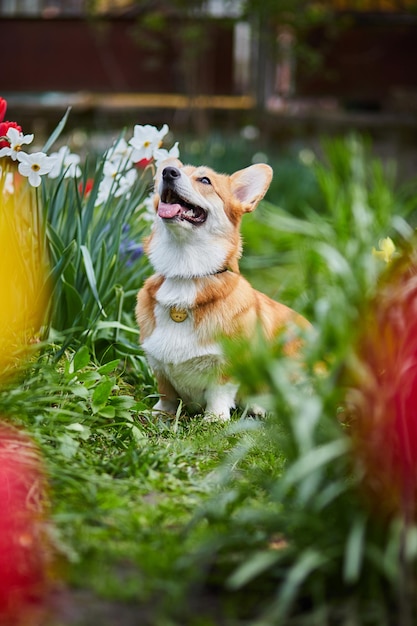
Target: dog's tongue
x=168 y=210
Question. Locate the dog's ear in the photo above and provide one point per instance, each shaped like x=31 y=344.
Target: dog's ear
x=163 y=164
x=251 y=184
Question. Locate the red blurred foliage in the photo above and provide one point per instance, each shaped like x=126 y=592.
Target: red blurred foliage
x=383 y=397
x=25 y=552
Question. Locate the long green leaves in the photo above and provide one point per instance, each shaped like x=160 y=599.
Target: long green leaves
x=309 y=547
x=92 y=265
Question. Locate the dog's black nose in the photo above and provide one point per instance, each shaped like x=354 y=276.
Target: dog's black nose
x=170 y=173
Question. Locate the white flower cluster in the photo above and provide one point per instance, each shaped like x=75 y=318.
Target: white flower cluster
x=37 y=164
x=119 y=173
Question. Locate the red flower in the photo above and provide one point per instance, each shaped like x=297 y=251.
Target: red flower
x=3 y=107
x=85 y=190
x=384 y=396
x=143 y=163
x=4 y=127
x=25 y=553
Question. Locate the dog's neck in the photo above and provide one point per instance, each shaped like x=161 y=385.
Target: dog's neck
x=191 y=257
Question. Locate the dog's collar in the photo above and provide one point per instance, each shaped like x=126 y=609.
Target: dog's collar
x=222 y=271
x=178 y=314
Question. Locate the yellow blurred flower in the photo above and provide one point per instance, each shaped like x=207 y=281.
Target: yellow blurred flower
x=386 y=249
x=24 y=292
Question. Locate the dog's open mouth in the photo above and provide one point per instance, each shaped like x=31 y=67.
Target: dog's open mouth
x=171 y=206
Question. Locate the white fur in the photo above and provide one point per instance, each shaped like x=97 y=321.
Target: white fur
x=219 y=400
x=180 y=292
x=189 y=256
x=173 y=342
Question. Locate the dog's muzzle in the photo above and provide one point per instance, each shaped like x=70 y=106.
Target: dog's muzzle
x=172 y=206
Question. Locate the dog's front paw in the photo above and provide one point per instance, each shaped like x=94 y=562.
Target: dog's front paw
x=165 y=406
x=220 y=399
x=218 y=416
x=255 y=410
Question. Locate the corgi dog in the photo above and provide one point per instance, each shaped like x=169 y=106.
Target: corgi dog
x=197 y=294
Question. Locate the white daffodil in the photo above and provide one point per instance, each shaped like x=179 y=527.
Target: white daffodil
x=160 y=154
x=120 y=153
x=125 y=183
x=108 y=183
x=34 y=166
x=104 y=190
x=17 y=140
x=146 y=139
x=111 y=170
x=65 y=161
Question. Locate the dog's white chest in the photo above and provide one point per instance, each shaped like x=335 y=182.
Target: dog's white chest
x=175 y=338
x=175 y=350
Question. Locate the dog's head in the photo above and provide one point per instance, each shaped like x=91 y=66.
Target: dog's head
x=198 y=211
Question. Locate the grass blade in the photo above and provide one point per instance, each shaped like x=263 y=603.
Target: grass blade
x=91 y=276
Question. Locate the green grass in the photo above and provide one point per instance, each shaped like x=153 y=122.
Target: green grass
x=124 y=484
x=118 y=476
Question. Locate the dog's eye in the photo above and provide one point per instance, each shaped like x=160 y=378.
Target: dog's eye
x=204 y=180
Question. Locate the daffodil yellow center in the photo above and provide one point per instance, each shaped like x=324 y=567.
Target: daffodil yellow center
x=36 y=167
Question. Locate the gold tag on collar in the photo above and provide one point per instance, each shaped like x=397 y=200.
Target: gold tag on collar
x=177 y=315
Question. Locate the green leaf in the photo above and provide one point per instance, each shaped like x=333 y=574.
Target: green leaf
x=81 y=359
x=89 y=378
x=109 y=367
x=91 y=277
x=123 y=401
x=286 y=223
x=116 y=325
x=71 y=310
x=62 y=255
x=138 y=435
x=335 y=260
x=253 y=567
x=80 y=391
x=107 y=411
x=56 y=133
x=83 y=431
x=69 y=446
x=355 y=545
x=314 y=459
x=101 y=394
x=306 y=563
